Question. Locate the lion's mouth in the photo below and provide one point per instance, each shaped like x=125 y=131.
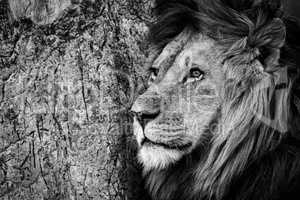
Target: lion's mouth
x=181 y=147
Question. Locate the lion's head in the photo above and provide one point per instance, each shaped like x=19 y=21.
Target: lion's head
x=183 y=97
x=220 y=97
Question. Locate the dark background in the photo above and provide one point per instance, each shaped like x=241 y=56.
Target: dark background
x=294 y=7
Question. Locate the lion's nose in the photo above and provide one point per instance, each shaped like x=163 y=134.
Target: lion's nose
x=145 y=117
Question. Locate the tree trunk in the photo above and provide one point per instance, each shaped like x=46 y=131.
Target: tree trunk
x=68 y=71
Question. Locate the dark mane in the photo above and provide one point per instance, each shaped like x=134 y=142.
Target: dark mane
x=226 y=21
x=259 y=160
x=220 y=19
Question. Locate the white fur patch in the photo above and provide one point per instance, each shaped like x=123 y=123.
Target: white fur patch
x=138 y=131
x=156 y=157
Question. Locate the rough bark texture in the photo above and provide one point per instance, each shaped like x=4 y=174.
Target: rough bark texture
x=67 y=69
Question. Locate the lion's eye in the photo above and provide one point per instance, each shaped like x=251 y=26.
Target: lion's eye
x=195 y=74
x=153 y=74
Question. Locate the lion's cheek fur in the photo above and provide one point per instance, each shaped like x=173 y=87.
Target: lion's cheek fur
x=155 y=157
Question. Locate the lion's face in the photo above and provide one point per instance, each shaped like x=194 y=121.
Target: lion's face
x=183 y=97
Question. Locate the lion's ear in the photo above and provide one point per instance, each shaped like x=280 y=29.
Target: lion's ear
x=265 y=33
x=261 y=44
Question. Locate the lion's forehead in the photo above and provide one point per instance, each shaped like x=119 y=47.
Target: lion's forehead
x=187 y=49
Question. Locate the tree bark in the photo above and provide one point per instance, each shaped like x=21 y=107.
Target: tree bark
x=68 y=72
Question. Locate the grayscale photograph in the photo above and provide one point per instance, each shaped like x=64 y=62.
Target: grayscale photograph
x=149 y=99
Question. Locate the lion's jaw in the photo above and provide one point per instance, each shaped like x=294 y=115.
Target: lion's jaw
x=181 y=107
x=151 y=156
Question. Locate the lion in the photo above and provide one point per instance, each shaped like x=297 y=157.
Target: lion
x=220 y=116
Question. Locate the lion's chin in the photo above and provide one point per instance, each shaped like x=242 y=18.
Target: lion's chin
x=157 y=157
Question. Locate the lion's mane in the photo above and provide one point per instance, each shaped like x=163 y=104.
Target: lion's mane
x=256 y=154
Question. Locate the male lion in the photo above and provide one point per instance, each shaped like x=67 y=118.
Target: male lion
x=220 y=117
